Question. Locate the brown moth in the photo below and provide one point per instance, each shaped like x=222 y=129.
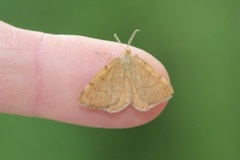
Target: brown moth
x=126 y=80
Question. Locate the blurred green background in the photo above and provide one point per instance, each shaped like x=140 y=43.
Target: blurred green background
x=198 y=41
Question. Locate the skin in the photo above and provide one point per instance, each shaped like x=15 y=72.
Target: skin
x=42 y=75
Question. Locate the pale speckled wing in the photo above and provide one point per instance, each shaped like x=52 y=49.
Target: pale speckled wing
x=109 y=89
x=149 y=87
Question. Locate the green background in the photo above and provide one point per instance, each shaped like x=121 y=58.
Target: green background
x=198 y=41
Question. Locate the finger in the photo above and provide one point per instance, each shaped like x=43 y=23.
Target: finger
x=42 y=75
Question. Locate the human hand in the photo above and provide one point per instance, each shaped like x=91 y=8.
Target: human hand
x=42 y=75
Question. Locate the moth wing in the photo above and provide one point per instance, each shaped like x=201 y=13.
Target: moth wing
x=108 y=90
x=149 y=87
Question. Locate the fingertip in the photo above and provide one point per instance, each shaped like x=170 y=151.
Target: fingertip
x=66 y=65
x=129 y=117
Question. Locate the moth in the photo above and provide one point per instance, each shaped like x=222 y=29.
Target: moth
x=126 y=80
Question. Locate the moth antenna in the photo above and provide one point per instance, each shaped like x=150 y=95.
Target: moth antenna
x=131 y=38
x=119 y=41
